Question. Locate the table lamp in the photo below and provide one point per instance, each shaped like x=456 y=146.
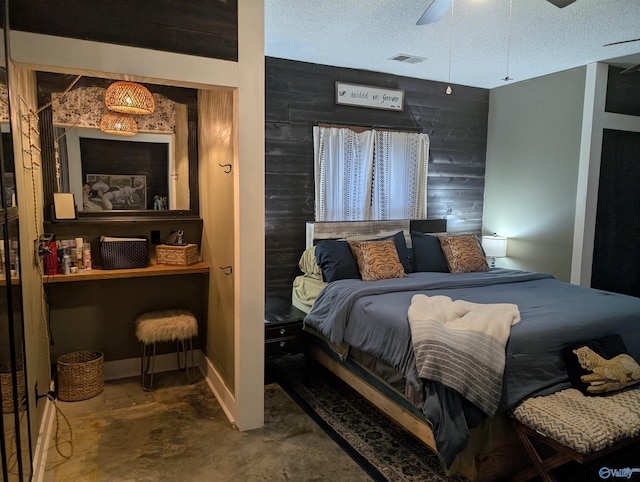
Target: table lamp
x=494 y=247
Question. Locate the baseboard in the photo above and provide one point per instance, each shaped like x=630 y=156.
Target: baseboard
x=216 y=384
x=42 y=445
x=130 y=367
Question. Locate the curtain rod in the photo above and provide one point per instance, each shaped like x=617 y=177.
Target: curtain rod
x=368 y=126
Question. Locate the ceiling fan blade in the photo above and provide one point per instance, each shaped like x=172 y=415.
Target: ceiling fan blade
x=631 y=69
x=561 y=3
x=434 y=12
x=622 y=42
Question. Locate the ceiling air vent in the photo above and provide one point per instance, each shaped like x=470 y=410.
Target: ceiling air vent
x=409 y=59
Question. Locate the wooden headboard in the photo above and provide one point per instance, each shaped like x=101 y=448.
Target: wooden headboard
x=345 y=229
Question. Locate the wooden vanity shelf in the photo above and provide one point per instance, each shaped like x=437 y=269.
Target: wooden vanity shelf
x=151 y=270
x=3 y=280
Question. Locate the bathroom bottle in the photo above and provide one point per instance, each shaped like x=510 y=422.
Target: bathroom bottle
x=86 y=255
x=67 y=263
x=79 y=255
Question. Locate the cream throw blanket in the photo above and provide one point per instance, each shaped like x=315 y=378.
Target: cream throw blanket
x=462 y=345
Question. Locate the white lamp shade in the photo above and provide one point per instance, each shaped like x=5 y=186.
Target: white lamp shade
x=494 y=246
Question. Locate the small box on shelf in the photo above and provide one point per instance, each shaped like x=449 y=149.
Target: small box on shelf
x=177 y=255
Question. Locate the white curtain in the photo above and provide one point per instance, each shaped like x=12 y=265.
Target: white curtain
x=400 y=175
x=343 y=162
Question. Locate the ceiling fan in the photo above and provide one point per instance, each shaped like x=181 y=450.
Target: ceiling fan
x=438 y=8
x=633 y=68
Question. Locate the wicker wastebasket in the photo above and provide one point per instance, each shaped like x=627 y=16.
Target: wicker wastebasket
x=80 y=375
x=6 y=388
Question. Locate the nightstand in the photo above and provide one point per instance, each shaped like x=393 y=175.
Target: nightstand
x=282 y=325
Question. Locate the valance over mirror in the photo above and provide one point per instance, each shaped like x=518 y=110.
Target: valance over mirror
x=152 y=172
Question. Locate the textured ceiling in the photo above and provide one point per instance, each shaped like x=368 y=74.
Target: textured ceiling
x=364 y=34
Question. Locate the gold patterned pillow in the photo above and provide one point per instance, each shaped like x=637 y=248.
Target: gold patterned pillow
x=377 y=259
x=463 y=253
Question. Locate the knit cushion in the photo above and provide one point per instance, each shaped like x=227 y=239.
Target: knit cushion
x=167 y=325
x=584 y=424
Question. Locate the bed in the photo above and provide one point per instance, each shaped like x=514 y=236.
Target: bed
x=362 y=331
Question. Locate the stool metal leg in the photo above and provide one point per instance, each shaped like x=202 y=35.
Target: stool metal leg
x=148 y=360
x=178 y=354
x=193 y=365
x=144 y=352
x=182 y=348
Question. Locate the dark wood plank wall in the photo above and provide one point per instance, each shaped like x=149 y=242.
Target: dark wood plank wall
x=194 y=27
x=299 y=95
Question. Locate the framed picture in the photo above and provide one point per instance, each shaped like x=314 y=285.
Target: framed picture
x=117 y=191
x=371 y=97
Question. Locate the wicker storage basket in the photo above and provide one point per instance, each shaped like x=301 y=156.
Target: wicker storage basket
x=80 y=375
x=6 y=388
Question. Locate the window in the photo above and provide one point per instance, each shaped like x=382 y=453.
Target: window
x=370 y=174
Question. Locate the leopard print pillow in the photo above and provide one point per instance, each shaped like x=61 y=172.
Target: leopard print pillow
x=377 y=259
x=463 y=253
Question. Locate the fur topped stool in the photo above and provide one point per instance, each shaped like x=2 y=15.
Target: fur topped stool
x=162 y=326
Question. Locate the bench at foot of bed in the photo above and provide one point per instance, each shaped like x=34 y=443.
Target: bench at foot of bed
x=577 y=427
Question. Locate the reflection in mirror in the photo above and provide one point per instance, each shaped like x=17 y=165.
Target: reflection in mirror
x=15 y=418
x=7 y=149
x=153 y=170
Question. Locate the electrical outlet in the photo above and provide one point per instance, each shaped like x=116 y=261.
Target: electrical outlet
x=41 y=395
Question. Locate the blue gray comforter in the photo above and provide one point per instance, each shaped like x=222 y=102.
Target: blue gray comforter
x=372 y=316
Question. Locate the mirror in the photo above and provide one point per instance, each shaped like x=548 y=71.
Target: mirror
x=15 y=440
x=151 y=173
x=7 y=144
x=135 y=173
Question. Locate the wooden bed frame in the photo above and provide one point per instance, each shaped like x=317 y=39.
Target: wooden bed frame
x=403 y=417
x=507 y=456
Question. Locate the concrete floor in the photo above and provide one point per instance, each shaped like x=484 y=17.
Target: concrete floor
x=179 y=432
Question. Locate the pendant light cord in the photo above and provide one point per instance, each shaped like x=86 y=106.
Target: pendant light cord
x=507 y=78
x=449 y=90
x=450 y=37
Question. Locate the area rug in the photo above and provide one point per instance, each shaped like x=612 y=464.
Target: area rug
x=384 y=450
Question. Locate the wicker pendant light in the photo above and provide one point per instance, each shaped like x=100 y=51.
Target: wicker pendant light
x=118 y=124
x=129 y=98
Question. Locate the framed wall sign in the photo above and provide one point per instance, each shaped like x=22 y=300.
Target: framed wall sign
x=371 y=97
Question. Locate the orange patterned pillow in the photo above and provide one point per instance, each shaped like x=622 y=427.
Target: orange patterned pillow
x=463 y=253
x=377 y=259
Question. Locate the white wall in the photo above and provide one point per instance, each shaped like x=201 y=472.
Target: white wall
x=533 y=156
